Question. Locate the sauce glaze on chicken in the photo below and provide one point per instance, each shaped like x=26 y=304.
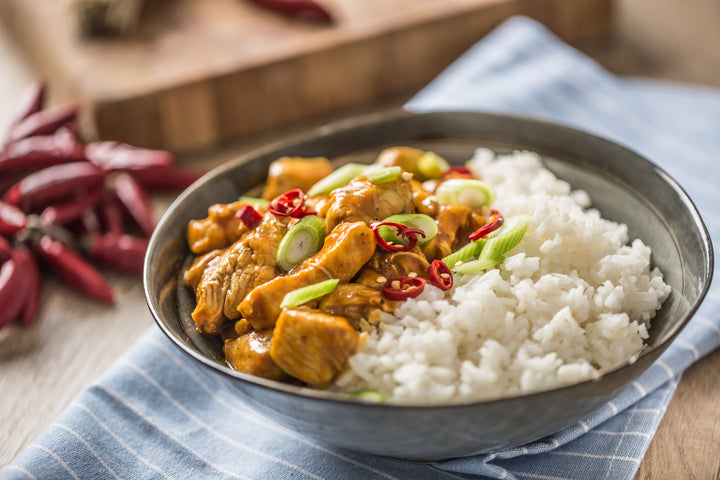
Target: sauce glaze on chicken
x=239 y=286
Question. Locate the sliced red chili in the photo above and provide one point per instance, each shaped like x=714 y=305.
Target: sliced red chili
x=496 y=221
x=249 y=216
x=440 y=275
x=402 y=231
x=403 y=288
x=290 y=204
x=457 y=171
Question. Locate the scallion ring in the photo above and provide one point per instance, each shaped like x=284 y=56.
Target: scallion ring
x=431 y=165
x=301 y=241
x=506 y=238
x=465 y=191
x=385 y=175
x=413 y=220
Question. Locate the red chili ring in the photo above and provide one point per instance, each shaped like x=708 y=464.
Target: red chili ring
x=408 y=233
x=496 y=221
x=410 y=287
x=290 y=204
x=440 y=275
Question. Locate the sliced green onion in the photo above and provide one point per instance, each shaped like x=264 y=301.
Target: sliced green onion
x=506 y=238
x=309 y=292
x=303 y=239
x=432 y=165
x=387 y=174
x=478 y=266
x=367 y=395
x=341 y=176
x=469 y=251
x=254 y=201
x=413 y=220
x=465 y=191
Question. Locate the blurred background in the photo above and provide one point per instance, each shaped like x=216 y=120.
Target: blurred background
x=208 y=80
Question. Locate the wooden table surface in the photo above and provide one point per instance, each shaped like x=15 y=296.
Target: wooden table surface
x=74 y=340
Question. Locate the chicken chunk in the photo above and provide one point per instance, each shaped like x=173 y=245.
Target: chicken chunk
x=288 y=173
x=250 y=353
x=424 y=201
x=193 y=275
x=345 y=251
x=385 y=266
x=404 y=157
x=354 y=302
x=362 y=200
x=218 y=230
x=249 y=262
x=312 y=346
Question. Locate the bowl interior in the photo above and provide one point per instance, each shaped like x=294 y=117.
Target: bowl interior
x=623 y=186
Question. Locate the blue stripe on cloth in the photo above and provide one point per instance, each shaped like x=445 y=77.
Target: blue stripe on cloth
x=154 y=414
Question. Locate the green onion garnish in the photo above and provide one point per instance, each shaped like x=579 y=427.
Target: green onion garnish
x=465 y=191
x=413 y=220
x=367 y=395
x=309 y=292
x=432 y=165
x=338 y=178
x=477 y=266
x=303 y=239
x=384 y=175
x=469 y=251
x=506 y=238
x=254 y=201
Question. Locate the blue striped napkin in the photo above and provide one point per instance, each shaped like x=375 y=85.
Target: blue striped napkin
x=154 y=414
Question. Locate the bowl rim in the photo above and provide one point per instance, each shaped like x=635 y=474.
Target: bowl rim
x=401 y=114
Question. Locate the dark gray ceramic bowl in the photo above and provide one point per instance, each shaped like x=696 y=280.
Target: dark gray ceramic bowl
x=624 y=187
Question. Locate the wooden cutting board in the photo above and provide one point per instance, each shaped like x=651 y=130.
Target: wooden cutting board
x=199 y=73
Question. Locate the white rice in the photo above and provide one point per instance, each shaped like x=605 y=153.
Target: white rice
x=573 y=298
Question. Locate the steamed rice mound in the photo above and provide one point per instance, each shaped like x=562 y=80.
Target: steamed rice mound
x=573 y=298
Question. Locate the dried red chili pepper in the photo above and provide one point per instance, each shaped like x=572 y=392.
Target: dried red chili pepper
x=168 y=179
x=74 y=269
x=72 y=209
x=53 y=183
x=403 y=288
x=5 y=249
x=440 y=275
x=121 y=252
x=34 y=287
x=112 y=216
x=133 y=197
x=12 y=219
x=403 y=231
x=496 y=221
x=457 y=171
x=117 y=156
x=14 y=281
x=249 y=216
x=309 y=9
x=44 y=122
x=31 y=101
x=290 y=204
x=41 y=151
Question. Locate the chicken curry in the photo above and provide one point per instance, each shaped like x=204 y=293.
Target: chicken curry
x=292 y=281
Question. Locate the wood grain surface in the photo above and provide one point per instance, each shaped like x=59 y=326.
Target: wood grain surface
x=74 y=341
x=240 y=69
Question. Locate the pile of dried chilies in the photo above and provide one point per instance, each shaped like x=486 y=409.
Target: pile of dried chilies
x=67 y=205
